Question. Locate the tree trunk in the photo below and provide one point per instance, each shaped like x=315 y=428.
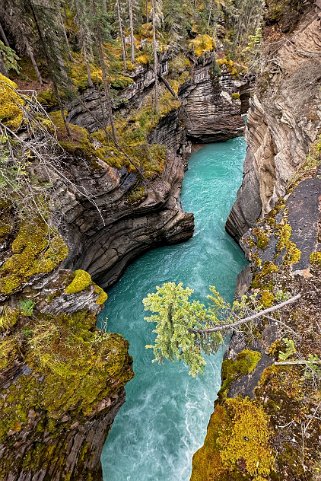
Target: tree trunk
x=146 y=7
x=107 y=102
x=168 y=86
x=54 y=83
x=155 y=57
x=121 y=34
x=33 y=61
x=3 y=69
x=257 y=315
x=4 y=37
x=90 y=81
x=131 y=26
x=65 y=36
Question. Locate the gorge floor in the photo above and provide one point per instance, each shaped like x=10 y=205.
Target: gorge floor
x=166 y=413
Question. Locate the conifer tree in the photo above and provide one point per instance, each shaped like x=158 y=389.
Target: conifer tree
x=102 y=29
x=20 y=25
x=121 y=34
x=131 y=5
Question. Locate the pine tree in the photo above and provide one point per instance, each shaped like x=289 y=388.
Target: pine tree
x=101 y=27
x=20 y=25
x=131 y=5
x=121 y=34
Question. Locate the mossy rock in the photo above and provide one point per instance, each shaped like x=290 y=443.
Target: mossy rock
x=71 y=369
x=82 y=281
x=36 y=250
x=237 y=445
x=245 y=363
x=11 y=104
x=76 y=141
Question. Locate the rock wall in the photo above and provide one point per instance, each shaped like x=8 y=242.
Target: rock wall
x=265 y=424
x=283 y=121
x=211 y=113
x=105 y=241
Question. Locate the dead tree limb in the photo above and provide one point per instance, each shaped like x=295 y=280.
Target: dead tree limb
x=257 y=315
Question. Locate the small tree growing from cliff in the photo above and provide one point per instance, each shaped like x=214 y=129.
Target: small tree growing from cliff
x=186 y=329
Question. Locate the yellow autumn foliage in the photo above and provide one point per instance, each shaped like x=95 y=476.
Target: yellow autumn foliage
x=10 y=104
x=201 y=44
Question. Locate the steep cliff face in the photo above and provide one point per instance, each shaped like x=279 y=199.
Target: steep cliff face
x=265 y=424
x=104 y=241
x=211 y=112
x=283 y=121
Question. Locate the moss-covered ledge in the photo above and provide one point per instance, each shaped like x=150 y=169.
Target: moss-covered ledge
x=61 y=379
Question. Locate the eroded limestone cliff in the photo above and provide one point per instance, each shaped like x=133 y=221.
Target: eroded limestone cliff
x=266 y=425
x=283 y=121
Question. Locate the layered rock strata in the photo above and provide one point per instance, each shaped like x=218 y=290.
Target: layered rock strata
x=106 y=239
x=62 y=380
x=283 y=121
x=265 y=424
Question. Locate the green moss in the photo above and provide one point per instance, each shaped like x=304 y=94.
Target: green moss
x=235 y=96
x=102 y=295
x=245 y=363
x=8 y=352
x=72 y=368
x=137 y=195
x=37 y=249
x=11 y=113
x=5 y=230
x=77 y=142
x=47 y=98
x=8 y=318
x=80 y=282
x=237 y=445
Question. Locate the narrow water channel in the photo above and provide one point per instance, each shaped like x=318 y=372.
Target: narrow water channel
x=164 y=419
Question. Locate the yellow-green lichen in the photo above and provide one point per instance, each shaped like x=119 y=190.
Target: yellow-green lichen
x=80 y=282
x=237 y=444
x=267 y=298
x=260 y=279
x=11 y=104
x=37 y=249
x=292 y=254
x=245 y=363
x=262 y=239
x=315 y=258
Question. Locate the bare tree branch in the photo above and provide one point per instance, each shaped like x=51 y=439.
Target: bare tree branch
x=257 y=315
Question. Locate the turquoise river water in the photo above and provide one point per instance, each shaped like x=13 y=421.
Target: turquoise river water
x=166 y=413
